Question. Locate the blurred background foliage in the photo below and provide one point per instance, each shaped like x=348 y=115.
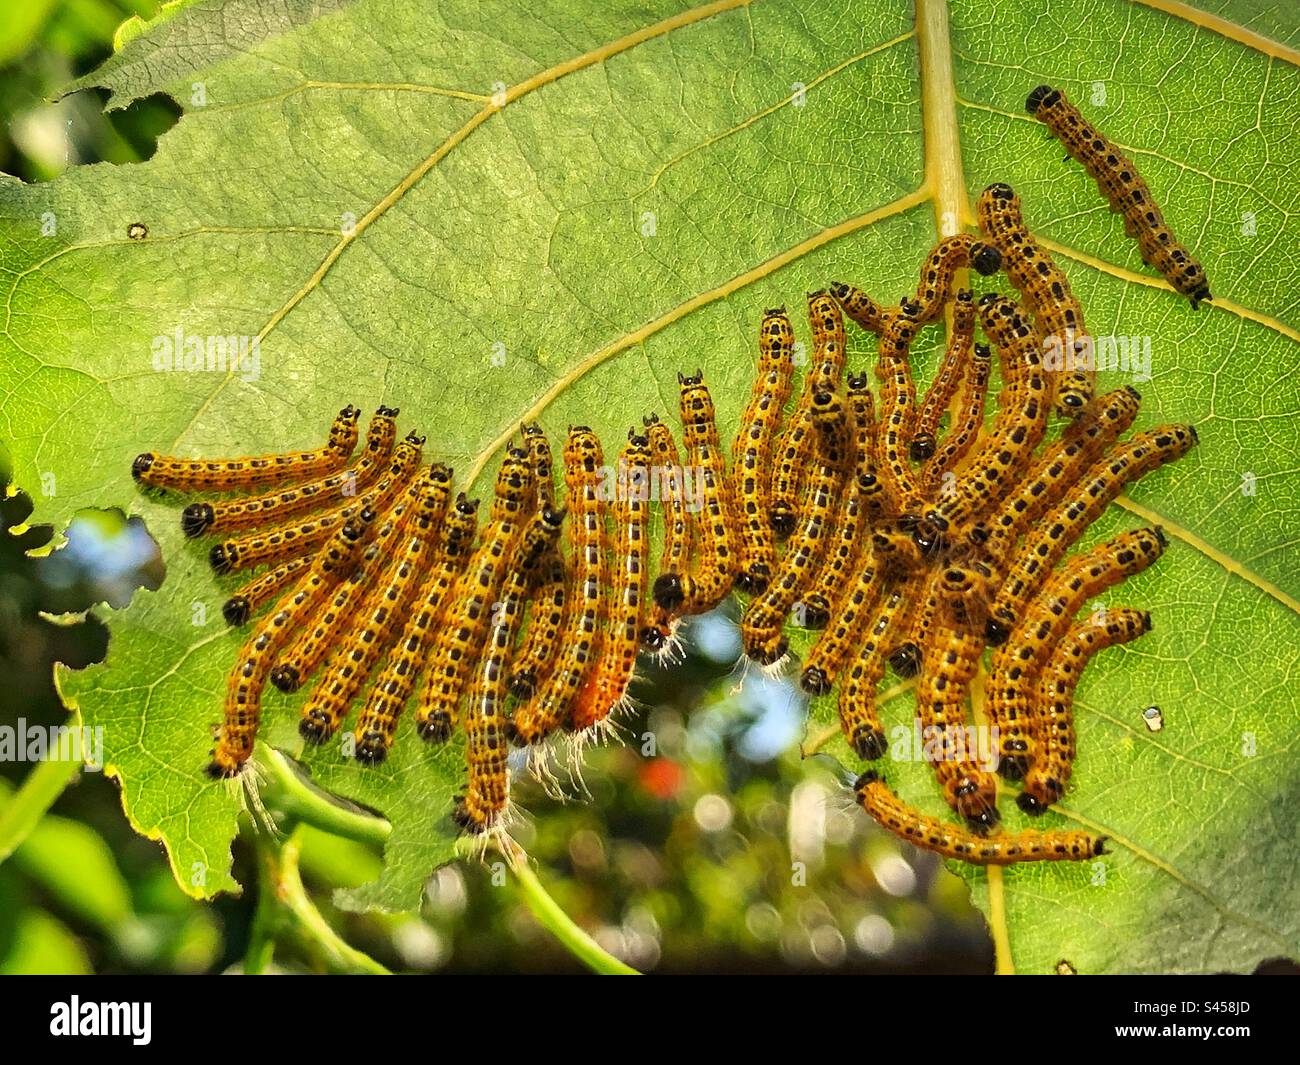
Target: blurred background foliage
x=708 y=844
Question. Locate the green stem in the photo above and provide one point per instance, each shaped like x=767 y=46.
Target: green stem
x=311 y=925
x=283 y=904
x=261 y=936
x=293 y=797
x=44 y=784
x=558 y=923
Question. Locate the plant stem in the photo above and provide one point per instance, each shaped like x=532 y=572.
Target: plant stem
x=293 y=799
x=289 y=794
x=44 y=784
x=283 y=902
x=261 y=936
x=557 y=922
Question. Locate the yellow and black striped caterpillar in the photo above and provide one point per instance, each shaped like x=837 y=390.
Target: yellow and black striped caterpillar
x=953 y=841
x=578 y=647
x=1046 y=780
x=606 y=688
x=707 y=583
x=388 y=696
x=487 y=746
x=1068 y=354
x=202 y=519
x=227 y=475
x=752 y=453
x=244 y=689
x=465 y=622
x=1125 y=191
x=1010 y=696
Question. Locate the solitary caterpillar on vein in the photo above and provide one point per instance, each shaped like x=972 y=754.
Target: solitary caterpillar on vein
x=1124 y=189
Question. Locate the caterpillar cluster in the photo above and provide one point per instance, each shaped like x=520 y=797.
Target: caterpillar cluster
x=912 y=547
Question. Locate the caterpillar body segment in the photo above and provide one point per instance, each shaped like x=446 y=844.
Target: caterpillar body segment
x=829 y=349
x=1055 y=470
x=261 y=590
x=752 y=452
x=1068 y=351
x=860 y=307
x=846 y=538
x=911 y=629
x=991 y=470
x=377 y=722
x=954 y=366
x=1047 y=779
x=545 y=625
x=382 y=609
x=538 y=447
x=793 y=449
x=228 y=475
x=658 y=635
x=1124 y=189
x=580 y=641
x=708 y=581
x=847 y=618
x=937 y=477
x=897 y=410
x=859 y=718
x=282 y=542
x=243 y=704
x=954 y=841
x=951 y=657
x=1016 y=665
x=939 y=273
x=465 y=621
x=202 y=519
x=331 y=622
x=761 y=624
x=1051 y=537
x=487 y=747
x=607 y=687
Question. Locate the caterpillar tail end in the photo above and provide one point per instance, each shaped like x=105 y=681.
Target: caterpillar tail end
x=1037 y=97
x=436 y=728
x=868 y=743
x=236 y=611
x=316 y=727
x=371 y=748
x=196 y=519
x=668 y=591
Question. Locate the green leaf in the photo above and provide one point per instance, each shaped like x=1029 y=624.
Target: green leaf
x=649 y=178
x=43 y=946
x=74 y=864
